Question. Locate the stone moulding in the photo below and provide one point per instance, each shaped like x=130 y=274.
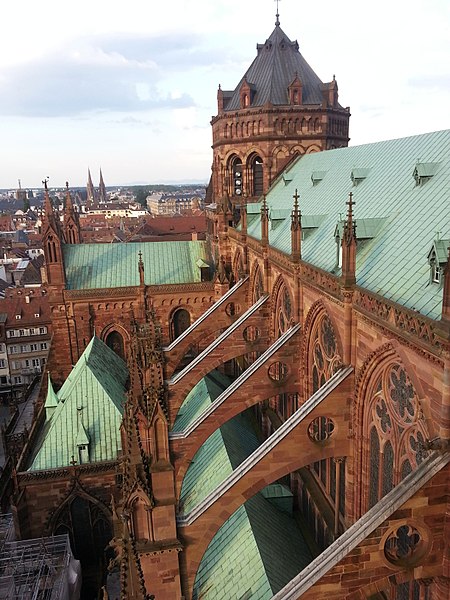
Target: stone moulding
x=399 y=319
x=126 y=292
x=318 y=278
x=67 y=472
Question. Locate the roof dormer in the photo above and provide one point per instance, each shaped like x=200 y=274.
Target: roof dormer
x=247 y=93
x=423 y=171
x=437 y=259
x=317 y=176
x=358 y=175
x=295 y=91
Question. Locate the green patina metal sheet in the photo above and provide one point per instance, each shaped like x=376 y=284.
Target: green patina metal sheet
x=97 y=266
x=89 y=411
x=395 y=263
x=199 y=398
x=224 y=450
x=257 y=551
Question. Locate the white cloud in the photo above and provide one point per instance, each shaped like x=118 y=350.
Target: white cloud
x=133 y=85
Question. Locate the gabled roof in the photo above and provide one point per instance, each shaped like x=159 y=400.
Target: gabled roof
x=89 y=408
x=394 y=262
x=96 y=266
x=275 y=67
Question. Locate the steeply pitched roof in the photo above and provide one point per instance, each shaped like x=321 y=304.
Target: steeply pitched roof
x=394 y=262
x=95 y=266
x=90 y=408
x=275 y=67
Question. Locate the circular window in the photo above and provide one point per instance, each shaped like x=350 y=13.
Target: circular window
x=277 y=371
x=251 y=334
x=321 y=429
x=404 y=546
x=232 y=309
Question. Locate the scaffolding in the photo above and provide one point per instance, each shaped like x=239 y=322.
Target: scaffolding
x=38 y=569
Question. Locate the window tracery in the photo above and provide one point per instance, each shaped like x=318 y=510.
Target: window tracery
x=324 y=357
x=324 y=361
x=397 y=430
x=283 y=311
x=258 y=285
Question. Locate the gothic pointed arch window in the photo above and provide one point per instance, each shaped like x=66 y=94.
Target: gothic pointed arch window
x=51 y=249
x=179 y=322
x=258 y=284
x=256 y=175
x=396 y=427
x=324 y=357
x=283 y=311
x=89 y=530
x=238 y=266
x=140 y=521
x=235 y=170
x=115 y=341
x=324 y=360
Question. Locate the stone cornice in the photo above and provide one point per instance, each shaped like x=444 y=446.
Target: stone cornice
x=67 y=472
x=407 y=325
x=295 y=109
x=135 y=292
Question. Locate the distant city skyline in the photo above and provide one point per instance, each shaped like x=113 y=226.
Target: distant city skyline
x=131 y=87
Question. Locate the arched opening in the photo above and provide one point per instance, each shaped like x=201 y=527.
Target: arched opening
x=180 y=321
x=283 y=310
x=90 y=532
x=115 y=341
x=235 y=169
x=256 y=180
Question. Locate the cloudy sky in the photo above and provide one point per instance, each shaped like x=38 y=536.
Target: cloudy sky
x=130 y=86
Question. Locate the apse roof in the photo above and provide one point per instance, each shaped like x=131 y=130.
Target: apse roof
x=89 y=407
x=275 y=67
x=96 y=266
x=409 y=214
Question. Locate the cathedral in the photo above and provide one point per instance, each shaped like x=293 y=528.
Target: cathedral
x=264 y=414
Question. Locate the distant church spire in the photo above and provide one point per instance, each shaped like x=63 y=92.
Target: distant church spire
x=102 y=197
x=90 y=191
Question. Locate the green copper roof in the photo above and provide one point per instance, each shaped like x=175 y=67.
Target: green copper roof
x=96 y=266
x=223 y=451
x=253 y=555
x=199 y=398
x=89 y=411
x=411 y=209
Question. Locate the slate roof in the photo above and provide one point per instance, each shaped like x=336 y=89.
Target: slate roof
x=402 y=217
x=90 y=406
x=96 y=266
x=277 y=63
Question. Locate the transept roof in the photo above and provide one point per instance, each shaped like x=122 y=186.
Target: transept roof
x=97 y=266
x=88 y=412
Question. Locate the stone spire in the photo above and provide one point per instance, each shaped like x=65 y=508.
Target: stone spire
x=90 y=202
x=102 y=195
x=72 y=231
x=51 y=242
